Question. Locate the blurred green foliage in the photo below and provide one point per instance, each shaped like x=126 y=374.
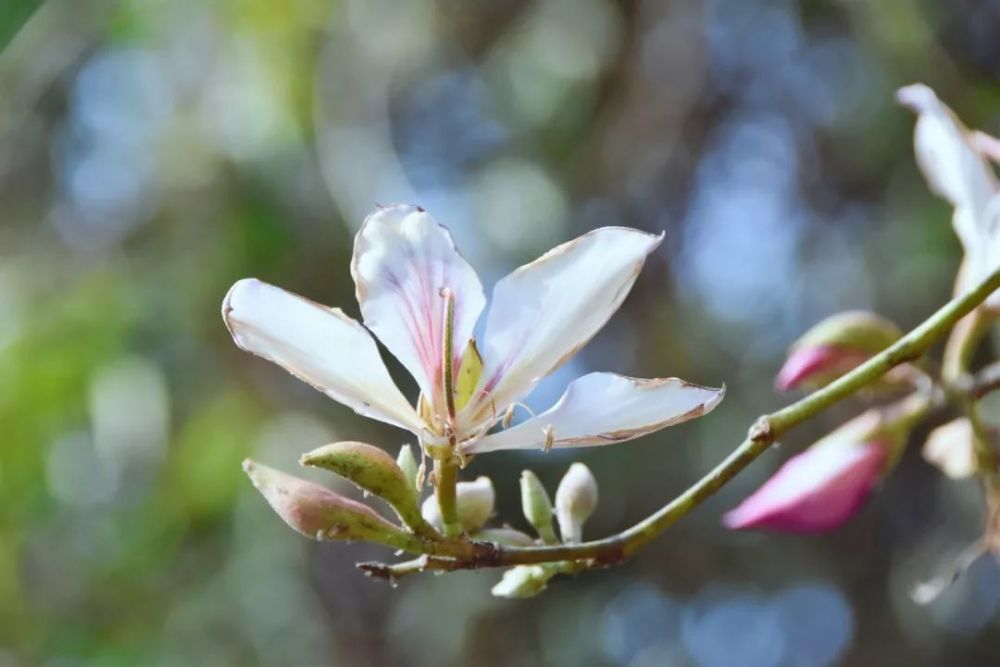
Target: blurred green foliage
x=153 y=152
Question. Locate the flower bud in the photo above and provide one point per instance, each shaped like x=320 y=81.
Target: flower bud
x=523 y=581
x=473 y=503
x=824 y=486
x=408 y=464
x=372 y=470
x=318 y=512
x=835 y=346
x=504 y=536
x=537 y=506
x=952 y=449
x=576 y=499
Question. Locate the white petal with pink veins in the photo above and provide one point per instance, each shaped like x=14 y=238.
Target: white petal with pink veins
x=545 y=311
x=403 y=260
x=318 y=345
x=604 y=408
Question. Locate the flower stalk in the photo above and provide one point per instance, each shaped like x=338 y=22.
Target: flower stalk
x=445 y=484
x=422 y=300
x=764 y=433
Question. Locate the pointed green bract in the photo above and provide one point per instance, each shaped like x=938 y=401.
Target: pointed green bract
x=470 y=369
x=372 y=470
x=537 y=506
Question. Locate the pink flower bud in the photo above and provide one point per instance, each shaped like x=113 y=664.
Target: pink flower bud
x=318 y=512
x=821 y=488
x=833 y=347
x=816 y=365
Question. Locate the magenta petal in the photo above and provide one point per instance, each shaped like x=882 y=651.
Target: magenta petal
x=813 y=492
x=808 y=362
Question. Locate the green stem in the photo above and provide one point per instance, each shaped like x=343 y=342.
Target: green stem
x=446 y=481
x=958 y=354
x=987 y=380
x=762 y=435
x=962 y=345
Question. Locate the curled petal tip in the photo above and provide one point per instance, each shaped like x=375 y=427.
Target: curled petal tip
x=720 y=393
x=235 y=293
x=916 y=96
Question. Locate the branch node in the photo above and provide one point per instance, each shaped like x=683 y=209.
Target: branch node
x=761 y=431
x=610 y=558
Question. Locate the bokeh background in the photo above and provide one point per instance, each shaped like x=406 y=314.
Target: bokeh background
x=154 y=151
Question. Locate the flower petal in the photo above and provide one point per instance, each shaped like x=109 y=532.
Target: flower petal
x=952 y=167
x=545 y=311
x=318 y=345
x=986 y=145
x=402 y=261
x=815 y=491
x=951 y=447
x=604 y=408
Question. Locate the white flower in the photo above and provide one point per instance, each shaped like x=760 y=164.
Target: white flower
x=952 y=160
x=422 y=300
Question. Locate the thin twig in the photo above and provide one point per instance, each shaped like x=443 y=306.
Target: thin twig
x=762 y=435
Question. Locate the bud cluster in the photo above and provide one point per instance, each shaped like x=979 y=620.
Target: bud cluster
x=322 y=514
x=576 y=500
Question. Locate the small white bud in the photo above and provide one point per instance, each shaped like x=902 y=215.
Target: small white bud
x=473 y=503
x=504 y=536
x=408 y=464
x=523 y=581
x=576 y=499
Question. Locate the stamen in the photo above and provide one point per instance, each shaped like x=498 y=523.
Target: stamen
x=422 y=468
x=508 y=416
x=446 y=366
x=509 y=413
x=421 y=474
x=550 y=438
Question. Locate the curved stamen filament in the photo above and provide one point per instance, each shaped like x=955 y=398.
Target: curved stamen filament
x=508 y=415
